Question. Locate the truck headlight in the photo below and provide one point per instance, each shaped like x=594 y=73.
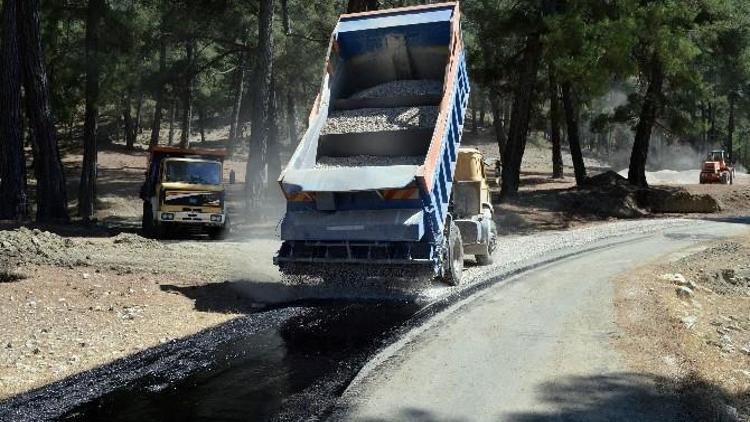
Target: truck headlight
x=167 y=216
x=216 y=218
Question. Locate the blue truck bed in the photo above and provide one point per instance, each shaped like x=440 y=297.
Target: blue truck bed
x=375 y=212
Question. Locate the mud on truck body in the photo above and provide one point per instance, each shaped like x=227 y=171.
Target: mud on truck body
x=371 y=182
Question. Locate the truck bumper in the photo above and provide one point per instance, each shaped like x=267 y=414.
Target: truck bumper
x=188 y=217
x=389 y=225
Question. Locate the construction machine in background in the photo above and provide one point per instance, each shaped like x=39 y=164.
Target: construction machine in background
x=717 y=168
x=184 y=192
x=373 y=184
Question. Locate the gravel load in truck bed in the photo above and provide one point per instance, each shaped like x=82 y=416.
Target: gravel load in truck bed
x=367 y=161
x=413 y=87
x=380 y=120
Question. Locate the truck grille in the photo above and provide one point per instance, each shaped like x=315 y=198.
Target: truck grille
x=208 y=199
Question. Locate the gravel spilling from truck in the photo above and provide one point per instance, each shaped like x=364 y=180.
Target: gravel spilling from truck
x=368 y=160
x=365 y=120
x=409 y=87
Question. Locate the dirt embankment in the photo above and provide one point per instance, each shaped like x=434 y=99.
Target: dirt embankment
x=689 y=320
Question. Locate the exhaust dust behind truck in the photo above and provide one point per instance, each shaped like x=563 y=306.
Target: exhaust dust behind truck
x=370 y=182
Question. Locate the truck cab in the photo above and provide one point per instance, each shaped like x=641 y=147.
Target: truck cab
x=184 y=191
x=471 y=206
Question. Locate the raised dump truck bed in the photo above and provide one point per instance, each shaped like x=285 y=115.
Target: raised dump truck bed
x=371 y=180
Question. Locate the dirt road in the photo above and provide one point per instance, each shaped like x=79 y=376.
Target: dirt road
x=539 y=346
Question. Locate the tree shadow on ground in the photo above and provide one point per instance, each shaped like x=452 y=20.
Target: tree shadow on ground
x=611 y=397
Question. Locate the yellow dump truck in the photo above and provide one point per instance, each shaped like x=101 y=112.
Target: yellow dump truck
x=472 y=208
x=184 y=192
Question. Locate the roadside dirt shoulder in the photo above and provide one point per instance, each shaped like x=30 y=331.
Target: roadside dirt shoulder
x=688 y=320
x=70 y=304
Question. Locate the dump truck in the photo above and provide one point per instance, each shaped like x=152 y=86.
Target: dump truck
x=717 y=168
x=371 y=183
x=184 y=192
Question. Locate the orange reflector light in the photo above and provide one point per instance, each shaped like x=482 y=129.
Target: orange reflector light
x=300 y=197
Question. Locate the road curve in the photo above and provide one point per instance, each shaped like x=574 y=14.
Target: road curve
x=537 y=347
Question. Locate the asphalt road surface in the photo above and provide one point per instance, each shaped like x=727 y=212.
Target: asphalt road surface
x=537 y=347
x=526 y=339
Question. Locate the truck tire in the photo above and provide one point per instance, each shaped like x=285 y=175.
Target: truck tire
x=486 y=259
x=220 y=233
x=731 y=177
x=453 y=266
x=147 y=221
x=725 y=178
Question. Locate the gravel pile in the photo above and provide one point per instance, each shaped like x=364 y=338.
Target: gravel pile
x=368 y=161
x=380 y=120
x=409 y=87
x=132 y=239
x=25 y=246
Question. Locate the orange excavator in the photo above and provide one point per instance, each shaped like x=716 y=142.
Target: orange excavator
x=717 y=169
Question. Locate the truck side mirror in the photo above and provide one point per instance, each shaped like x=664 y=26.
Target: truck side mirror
x=232 y=177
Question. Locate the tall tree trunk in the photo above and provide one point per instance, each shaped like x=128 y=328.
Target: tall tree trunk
x=274 y=150
x=570 y=103
x=474 y=112
x=482 y=108
x=730 y=126
x=139 y=113
x=13 y=165
x=172 y=117
x=128 y=123
x=187 y=99
x=498 y=121
x=646 y=121
x=520 y=116
x=356 y=6
x=52 y=201
x=285 y=19
x=202 y=124
x=239 y=90
x=256 y=173
x=87 y=187
x=554 y=118
x=156 y=123
x=291 y=117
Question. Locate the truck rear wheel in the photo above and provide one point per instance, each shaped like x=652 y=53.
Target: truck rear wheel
x=147 y=221
x=453 y=266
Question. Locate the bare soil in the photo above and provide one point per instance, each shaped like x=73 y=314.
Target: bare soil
x=74 y=297
x=700 y=340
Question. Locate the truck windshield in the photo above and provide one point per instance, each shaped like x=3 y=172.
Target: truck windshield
x=205 y=173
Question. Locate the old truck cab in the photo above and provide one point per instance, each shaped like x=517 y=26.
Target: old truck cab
x=184 y=191
x=471 y=206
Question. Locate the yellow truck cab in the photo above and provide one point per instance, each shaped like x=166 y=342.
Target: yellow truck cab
x=184 y=190
x=471 y=206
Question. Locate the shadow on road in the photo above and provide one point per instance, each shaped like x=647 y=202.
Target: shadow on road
x=612 y=397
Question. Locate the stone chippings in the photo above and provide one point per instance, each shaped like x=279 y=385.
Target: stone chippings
x=380 y=120
x=368 y=161
x=408 y=87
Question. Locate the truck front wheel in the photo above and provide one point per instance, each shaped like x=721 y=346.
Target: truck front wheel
x=453 y=266
x=147 y=221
